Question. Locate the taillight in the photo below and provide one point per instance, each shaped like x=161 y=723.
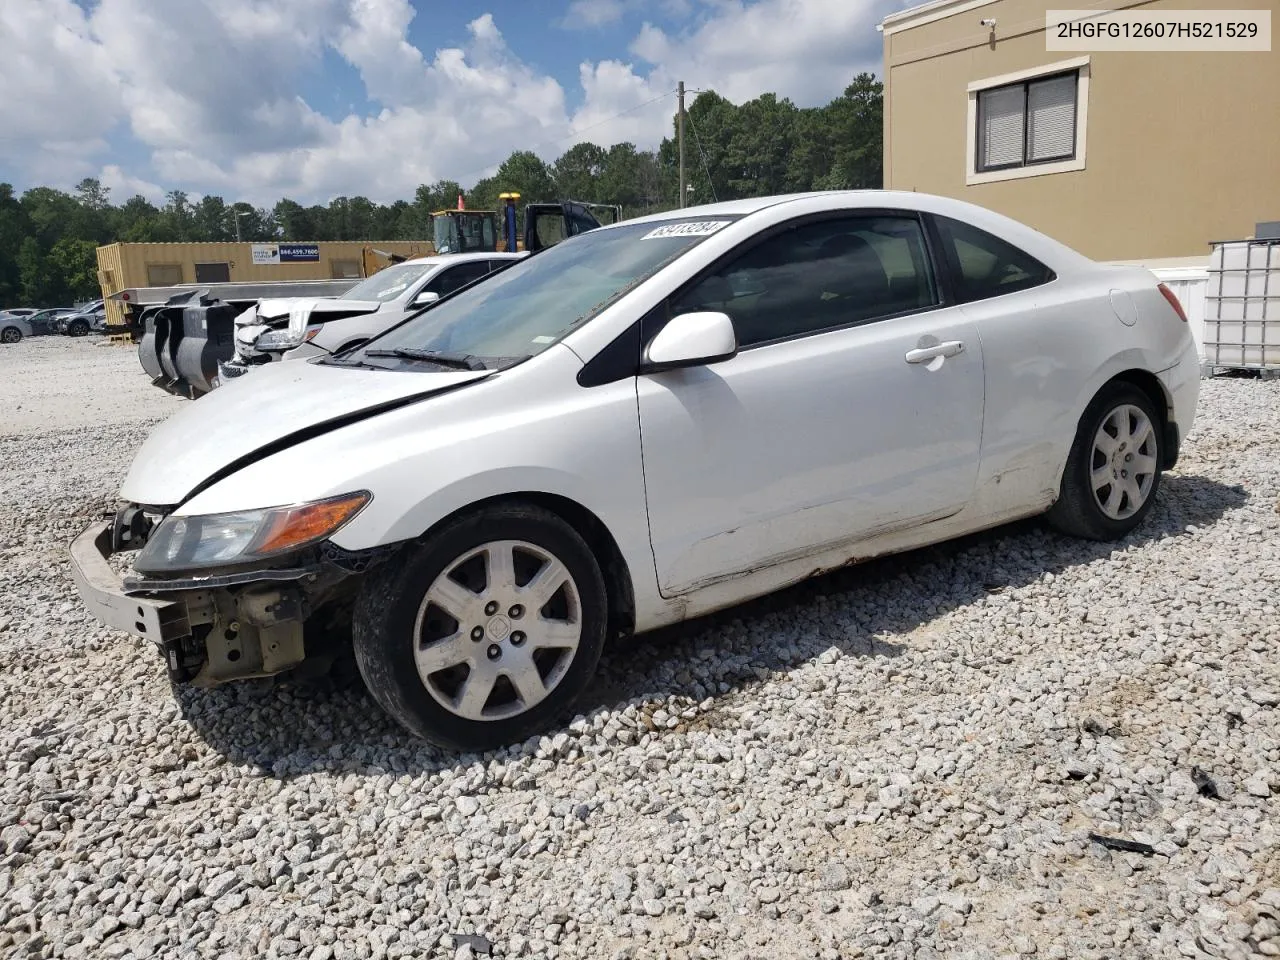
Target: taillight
x=1173 y=302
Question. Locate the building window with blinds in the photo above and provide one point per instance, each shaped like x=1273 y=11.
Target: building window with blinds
x=1022 y=124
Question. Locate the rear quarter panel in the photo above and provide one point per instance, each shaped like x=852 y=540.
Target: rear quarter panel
x=1049 y=350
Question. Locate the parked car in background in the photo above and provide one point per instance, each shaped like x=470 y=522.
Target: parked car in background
x=645 y=423
x=18 y=311
x=302 y=327
x=78 y=323
x=14 y=326
x=45 y=321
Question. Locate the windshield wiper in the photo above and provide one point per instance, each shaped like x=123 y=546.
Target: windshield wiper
x=455 y=360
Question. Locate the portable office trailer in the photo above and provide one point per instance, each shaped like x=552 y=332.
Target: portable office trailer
x=125 y=265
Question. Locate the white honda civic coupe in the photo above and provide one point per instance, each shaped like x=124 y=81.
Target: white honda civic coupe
x=644 y=423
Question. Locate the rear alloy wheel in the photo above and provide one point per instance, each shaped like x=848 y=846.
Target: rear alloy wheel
x=79 y=328
x=10 y=335
x=488 y=632
x=1123 y=463
x=1114 y=469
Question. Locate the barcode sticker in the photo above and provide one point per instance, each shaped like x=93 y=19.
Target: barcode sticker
x=699 y=228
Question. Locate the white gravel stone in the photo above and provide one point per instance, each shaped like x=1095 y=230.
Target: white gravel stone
x=904 y=759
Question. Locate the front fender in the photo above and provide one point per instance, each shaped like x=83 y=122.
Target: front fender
x=530 y=429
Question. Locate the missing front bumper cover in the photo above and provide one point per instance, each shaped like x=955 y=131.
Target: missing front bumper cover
x=215 y=628
x=156 y=620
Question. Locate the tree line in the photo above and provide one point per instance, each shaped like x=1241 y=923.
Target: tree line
x=49 y=237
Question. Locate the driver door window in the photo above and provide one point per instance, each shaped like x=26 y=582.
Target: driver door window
x=820 y=276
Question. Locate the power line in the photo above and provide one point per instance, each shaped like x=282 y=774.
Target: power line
x=576 y=133
x=705 y=169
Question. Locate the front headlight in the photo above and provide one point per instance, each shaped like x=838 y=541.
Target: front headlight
x=221 y=539
x=285 y=339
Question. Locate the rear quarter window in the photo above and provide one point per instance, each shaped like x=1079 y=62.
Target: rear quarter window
x=982 y=265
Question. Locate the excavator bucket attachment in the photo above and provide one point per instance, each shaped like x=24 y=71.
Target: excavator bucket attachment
x=184 y=339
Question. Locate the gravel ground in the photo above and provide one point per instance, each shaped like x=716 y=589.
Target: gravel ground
x=907 y=759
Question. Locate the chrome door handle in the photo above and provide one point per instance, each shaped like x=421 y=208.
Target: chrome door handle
x=924 y=354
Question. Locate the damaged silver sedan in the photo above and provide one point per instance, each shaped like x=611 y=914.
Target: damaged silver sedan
x=646 y=422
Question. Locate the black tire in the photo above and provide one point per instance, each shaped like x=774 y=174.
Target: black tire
x=10 y=335
x=78 y=328
x=387 y=609
x=1078 y=512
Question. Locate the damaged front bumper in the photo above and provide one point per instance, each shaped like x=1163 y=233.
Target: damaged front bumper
x=230 y=369
x=249 y=358
x=164 y=622
x=214 y=628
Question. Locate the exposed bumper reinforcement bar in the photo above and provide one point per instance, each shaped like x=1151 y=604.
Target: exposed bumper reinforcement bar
x=159 y=621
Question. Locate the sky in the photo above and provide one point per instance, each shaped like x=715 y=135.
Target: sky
x=311 y=99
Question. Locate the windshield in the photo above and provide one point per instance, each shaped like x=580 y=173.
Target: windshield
x=389 y=283
x=522 y=310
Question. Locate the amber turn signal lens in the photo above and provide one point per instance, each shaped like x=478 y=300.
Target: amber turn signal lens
x=294 y=527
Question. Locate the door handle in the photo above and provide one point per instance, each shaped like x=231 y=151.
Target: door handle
x=948 y=348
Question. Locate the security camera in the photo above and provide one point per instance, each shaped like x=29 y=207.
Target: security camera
x=989 y=22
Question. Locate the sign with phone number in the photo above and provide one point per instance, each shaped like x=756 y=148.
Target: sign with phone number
x=269 y=253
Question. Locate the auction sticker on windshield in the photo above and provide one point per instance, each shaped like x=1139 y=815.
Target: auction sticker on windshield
x=700 y=228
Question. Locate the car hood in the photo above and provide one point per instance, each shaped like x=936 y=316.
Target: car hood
x=250 y=417
x=280 y=309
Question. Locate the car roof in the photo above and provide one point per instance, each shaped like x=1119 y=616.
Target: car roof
x=908 y=199
x=1058 y=255
x=728 y=208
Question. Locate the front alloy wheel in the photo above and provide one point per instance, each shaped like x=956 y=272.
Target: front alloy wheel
x=487 y=632
x=497 y=630
x=10 y=335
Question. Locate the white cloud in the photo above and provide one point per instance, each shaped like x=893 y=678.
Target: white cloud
x=807 y=50
x=60 y=98
x=215 y=104
x=216 y=75
x=125 y=186
x=593 y=14
x=620 y=104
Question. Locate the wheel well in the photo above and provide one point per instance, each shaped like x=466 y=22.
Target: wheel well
x=617 y=577
x=1149 y=384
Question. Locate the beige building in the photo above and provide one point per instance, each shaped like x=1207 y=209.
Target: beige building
x=1124 y=155
x=122 y=266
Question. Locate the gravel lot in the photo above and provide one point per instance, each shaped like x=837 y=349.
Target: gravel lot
x=906 y=759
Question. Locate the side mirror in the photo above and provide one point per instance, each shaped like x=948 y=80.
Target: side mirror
x=692 y=340
x=425 y=297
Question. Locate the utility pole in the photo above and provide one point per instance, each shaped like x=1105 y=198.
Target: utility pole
x=680 y=137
